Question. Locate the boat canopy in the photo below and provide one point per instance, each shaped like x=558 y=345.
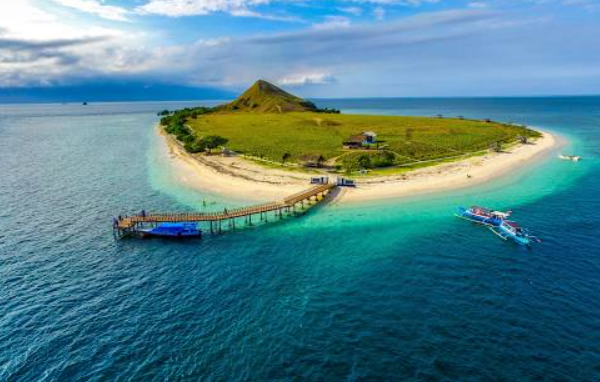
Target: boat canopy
x=481 y=210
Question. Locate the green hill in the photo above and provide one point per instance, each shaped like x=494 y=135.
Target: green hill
x=264 y=97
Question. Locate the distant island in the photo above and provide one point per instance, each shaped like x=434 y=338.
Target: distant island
x=270 y=136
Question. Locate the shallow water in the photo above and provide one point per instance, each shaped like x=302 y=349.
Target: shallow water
x=395 y=289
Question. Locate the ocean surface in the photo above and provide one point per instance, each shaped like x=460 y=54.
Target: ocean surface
x=387 y=290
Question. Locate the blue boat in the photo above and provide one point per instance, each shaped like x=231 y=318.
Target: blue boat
x=511 y=230
x=482 y=215
x=177 y=230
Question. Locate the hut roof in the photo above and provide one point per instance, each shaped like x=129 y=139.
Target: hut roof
x=356 y=139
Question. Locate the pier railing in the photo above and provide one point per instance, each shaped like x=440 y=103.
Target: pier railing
x=129 y=223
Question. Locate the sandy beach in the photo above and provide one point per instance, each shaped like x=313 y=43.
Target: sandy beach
x=242 y=179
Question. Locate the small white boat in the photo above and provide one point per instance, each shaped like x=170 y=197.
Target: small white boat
x=572 y=158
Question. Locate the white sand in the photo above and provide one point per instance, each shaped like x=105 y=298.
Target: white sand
x=242 y=179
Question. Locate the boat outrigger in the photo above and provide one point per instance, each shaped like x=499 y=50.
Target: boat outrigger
x=176 y=230
x=482 y=215
x=511 y=230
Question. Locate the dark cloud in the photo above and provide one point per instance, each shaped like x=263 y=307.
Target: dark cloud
x=27 y=51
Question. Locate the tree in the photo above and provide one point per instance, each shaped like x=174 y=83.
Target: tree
x=214 y=141
x=194 y=147
x=285 y=157
x=496 y=147
x=364 y=162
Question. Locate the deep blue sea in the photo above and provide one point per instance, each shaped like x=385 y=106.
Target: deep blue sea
x=388 y=290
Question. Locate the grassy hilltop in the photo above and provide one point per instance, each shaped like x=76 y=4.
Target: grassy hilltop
x=268 y=123
x=264 y=97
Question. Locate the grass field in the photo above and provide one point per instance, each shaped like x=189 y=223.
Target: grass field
x=412 y=139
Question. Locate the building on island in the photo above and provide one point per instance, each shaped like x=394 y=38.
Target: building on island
x=370 y=136
x=354 y=142
x=359 y=141
x=312 y=160
x=319 y=180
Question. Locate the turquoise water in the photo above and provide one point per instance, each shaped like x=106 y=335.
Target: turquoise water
x=388 y=290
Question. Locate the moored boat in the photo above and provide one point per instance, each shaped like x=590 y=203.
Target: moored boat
x=573 y=158
x=482 y=215
x=177 y=230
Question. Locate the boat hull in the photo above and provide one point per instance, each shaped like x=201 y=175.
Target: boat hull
x=179 y=235
x=172 y=230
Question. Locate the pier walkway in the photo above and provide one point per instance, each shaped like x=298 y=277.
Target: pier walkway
x=128 y=225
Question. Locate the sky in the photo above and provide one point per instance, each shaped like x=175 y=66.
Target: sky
x=315 y=48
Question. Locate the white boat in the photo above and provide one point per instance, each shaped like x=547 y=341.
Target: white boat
x=573 y=158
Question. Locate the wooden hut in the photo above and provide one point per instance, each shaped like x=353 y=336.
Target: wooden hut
x=355 y=142
x=312 y=160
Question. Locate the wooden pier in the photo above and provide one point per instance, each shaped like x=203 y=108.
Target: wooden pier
x=129 y=225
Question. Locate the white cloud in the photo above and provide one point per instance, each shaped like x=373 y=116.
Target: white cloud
x=354 y=11
x=95 y=7
x=178 y=8
x=24 y=20
x=38 y=47
x=311 y=78
x=333 y=22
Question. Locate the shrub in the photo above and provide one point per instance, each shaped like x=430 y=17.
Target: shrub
x=195 y=146
x=214 y=141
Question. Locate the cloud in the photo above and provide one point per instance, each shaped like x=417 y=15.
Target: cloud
x=227 y=61
x=180 y=8
x=96 y=8
x=39 y=48
x=312 y=78
x=469 y=50
x=379 y=13
x=354 y=11
x=333 y=22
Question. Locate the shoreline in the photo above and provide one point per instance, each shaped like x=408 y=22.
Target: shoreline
x=241 y=179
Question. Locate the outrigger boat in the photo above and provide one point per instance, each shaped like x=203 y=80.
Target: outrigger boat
x=482 y=215
x=176 y=230
x=511 y=230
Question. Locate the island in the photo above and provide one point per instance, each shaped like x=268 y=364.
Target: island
x=268 y=142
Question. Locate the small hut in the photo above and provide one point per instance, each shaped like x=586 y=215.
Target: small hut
x=355 y=142
x=312 y=160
